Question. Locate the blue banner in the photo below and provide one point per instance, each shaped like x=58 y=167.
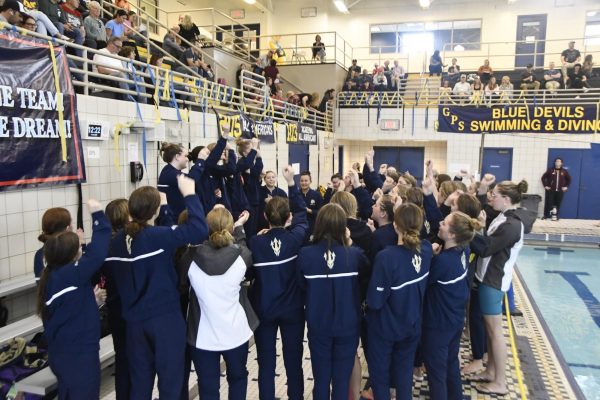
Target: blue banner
x=38 y=145
x=570 y=119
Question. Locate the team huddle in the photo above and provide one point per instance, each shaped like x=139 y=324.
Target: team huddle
x=192 y=270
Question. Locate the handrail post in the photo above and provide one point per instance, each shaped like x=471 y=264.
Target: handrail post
x=335 y=46
x=86 y=88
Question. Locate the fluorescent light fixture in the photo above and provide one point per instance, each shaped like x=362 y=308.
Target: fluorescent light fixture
x=592 y=13
x=250 y=1
x=424 y=3
x=341 y=6
x=512 y=1
x=375 y=28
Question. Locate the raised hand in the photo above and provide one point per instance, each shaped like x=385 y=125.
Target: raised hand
x=94 y=205
x=242 y=219
x=288 y=174
x=186 y=185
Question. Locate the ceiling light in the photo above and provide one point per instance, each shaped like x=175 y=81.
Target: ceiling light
x=592 y=13
x=424 y=3
x=375 y=29
x=341 y=6
x=512 y=1
x=250 y=1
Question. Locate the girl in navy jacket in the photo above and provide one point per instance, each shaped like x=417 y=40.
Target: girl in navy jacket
x=176 y=158
x=445 y=302
x=147 y=284
x=311 y=197
x=67 y=306
x=250 y=167
x=276 y=295
x=395 y=304
x=329 y=273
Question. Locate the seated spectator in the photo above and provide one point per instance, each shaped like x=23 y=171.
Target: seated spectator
x=74 y=25
x=569 y=58
x=171 y=45
x=380 y=81
x=528 y=79
x=192 y=58
x=134 y=76
x=238 y=75
x=318 y=49
x=588 y=66
x=44 y=25
x=485 y=71
x=354 y=67
x=477 y=86
x=293 y=98
x=462 y=88
x=375 y=68
x=397 y=76
x=577 y=79
x=453 y=72
x=445 y=92
x=10 y=12
x=106 y=64
x=116 y=26
x=362 y=78
x=154 y=70
x=51 y=9
x=272 y=72
x=95 y=31
x=188 y=30
x=278 y=97
x=306 y=99
x=349 y=86
x=26 y=22
x=552 y=76
x=131 y=24
x=367 y=86
x=435 y=64
x=506 y=88
x=492 y=90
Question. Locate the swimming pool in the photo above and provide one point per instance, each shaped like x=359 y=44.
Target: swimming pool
x=565 y=285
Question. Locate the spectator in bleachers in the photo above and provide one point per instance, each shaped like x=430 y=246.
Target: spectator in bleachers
x=375 y=68
x=272 y=72
x=506 y=88
x=569 y=58
x=188 y=30
x=124 y=4
x=292 y=98
x=453 y=72
x=318 y=49
x=485 y=71
x=397 y=75
x=477 y=86
x=74 y=24
x=491 y=90
x=132 y=22
x=10 y=12
x=367 y=86
x=116 y=26
x=462 y=88
x=354 y=67
x=170 y=44
x=552 y=76
x=95 y=31
x=27 y=22
x=328 y=98
x=238 y=75
x=577 y=79
x=363 y=78
x=380 y=80
x=43 y=24
x=528 y=79
x=349 y=86
x=52 y=10
x=134 y=76
x=156 y=61
x=306 y=99
x=192 y=58
x=445 y=92
x=588 y=66
x=435 y=64
x=105 y=64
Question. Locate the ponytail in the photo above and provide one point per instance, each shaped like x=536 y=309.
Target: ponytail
x=219 y=239
x=412 y=240
x=408 y=220
x=143 y=204
x=220 y=227
x=463 y=227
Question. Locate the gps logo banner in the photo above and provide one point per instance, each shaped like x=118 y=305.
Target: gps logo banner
x=519 y=119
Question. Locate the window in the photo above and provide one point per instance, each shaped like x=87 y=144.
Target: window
x=592 y=28
x=398 y=38
x=149 y=6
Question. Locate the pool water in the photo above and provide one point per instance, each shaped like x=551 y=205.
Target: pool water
x=565 y=285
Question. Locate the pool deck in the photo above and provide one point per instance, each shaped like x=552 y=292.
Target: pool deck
x=566 y=230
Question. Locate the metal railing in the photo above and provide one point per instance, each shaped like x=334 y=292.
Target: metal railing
x=141 y=82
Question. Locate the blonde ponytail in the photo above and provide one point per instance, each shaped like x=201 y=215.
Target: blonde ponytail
x=222 y=238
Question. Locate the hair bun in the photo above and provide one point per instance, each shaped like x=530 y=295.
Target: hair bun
x=522 y=186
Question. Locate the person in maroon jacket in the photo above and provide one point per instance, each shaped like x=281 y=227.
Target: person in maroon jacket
x=556 y=181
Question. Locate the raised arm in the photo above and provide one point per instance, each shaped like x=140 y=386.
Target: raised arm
x=97 y=250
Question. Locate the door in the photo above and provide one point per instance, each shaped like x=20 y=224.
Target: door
x=569 y=207
x=497 y=161
x=298 y=158
x=589 y=190
x=531 y=36
x=411 y=159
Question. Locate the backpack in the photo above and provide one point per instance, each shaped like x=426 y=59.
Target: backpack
x=18 y=360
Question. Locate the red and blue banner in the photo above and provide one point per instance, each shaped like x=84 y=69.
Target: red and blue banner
x=571 y=119
x=39 y=130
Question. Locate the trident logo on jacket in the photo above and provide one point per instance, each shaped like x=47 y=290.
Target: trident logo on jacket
x=329 y=256
x=416 y=262
x=276 y=246
x=463 y=260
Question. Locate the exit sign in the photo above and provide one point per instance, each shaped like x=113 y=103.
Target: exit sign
x=390 y=124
